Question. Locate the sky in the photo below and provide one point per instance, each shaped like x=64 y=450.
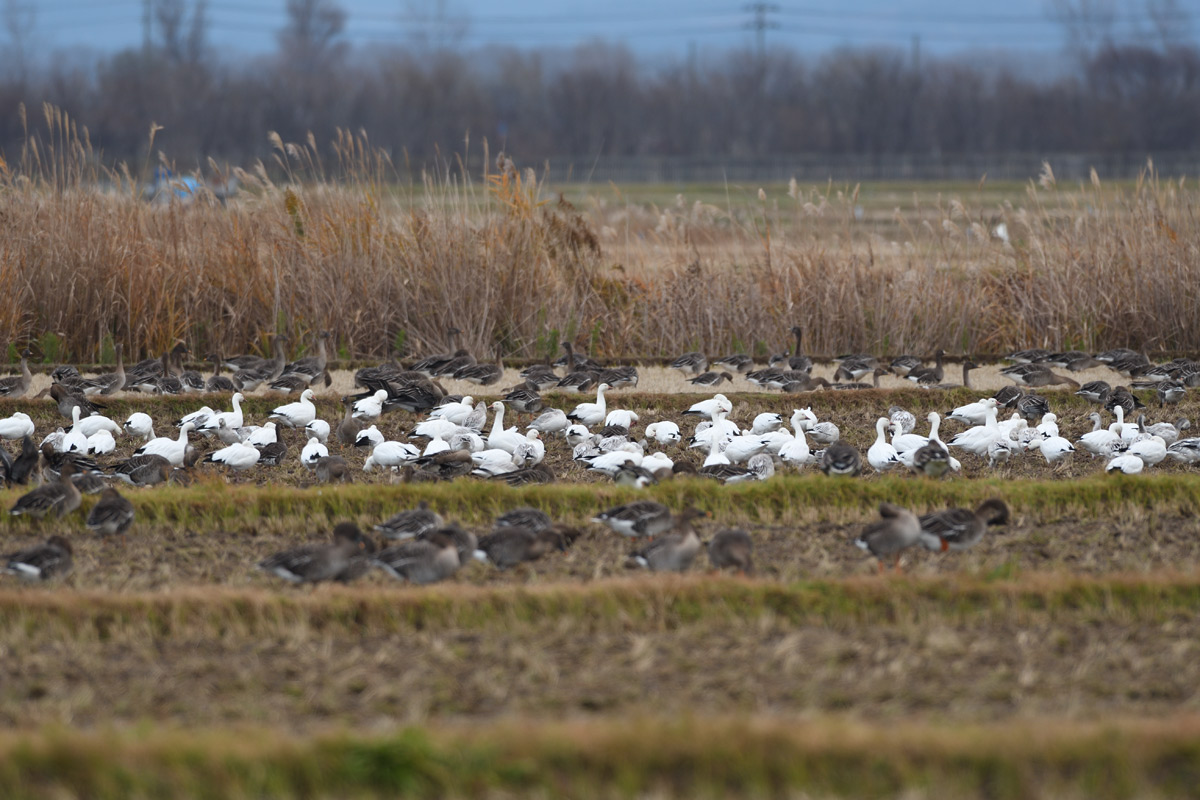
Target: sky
x=651 y=28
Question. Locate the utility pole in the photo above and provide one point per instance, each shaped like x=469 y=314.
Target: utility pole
x=761 y=23
x=916 y=52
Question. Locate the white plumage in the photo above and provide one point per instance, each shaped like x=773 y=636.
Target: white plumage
x=312 y=451
x=172 y=450
x=300 y=413
x=591 y=413
x=370 y=407
x=237 y=456
x=18 y=426
x=391 y=454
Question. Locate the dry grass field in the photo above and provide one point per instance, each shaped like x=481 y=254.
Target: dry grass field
x=1056 y=659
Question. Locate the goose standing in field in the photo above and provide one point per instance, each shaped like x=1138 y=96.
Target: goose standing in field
x=411 y=522
x=664 y=432
x=732 y=548
x=233 y=419
x=18 y=426
x=902 y=365
x=897 y=530
x=109 y=383
x=853 y=367
x=144 y=470
x=68 y=399
x=112 y=514
x=591 y=413
x=318 y=428
x=259 y=371
x=23 y=465
x=674 y=551
x=1121 y=397
x=740 y=363
x=509 y=546
x=42 y=562
x=321 y=562
x=432 y=363
x=1054 y=449
x=308 y=369
x=643 y=518
x=298 y=414
x=238 y=457
x=217 y=382
x=706 y=408
x=455 y=411
x=797 y=452
x=1185 y=451
x=1032 y=406
x=329 y=469
x=171 y=449
x=18 y=385
x=961 y=528
x=481 y=374
x=710 y=379
x=90 y=426
x=61 y=496
x=502 y=438
x=977 y=440
x=524 y=399
x=1094 y=391
x=197 y=418
x=312 y=451
x=1169 y=431
x=694 y=363
x=1125 y=464
x=1000 y=451
x=421 y=562
x=881 y=455
x=929 y=376
x=389 y=454
x=902 y=418
x=931 y=460
x=1099 y=441
x=1036 y=375
x=1170 y=391
x=974 y=413
x=1151 y=450
x=841 y=459
x=551 y=421
x=371 y=407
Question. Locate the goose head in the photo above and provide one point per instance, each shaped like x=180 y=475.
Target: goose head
x=308 y=395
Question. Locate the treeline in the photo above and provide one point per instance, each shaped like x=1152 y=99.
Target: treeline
x=602 y=101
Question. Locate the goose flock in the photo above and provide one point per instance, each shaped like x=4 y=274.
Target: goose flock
x=452 y=439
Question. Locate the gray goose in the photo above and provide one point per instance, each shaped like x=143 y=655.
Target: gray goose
x=929 y=376
x=18 y=385
x=640 y=518
x=42 y=562
x=1094 y=391
x=482 y=374
x=514 y=544
x=674 y=551
x=854 y=367
x=342 y=560
x=524 y=398
x=247 y=379
x=25 y=463
x=961 y=528
x=60 y=496
x=796 y=361
x=111 y=515
x=144 y=470
x=902 y=365
x=739 y=362
x=332 y=468
x=841 y=459
x=411 y=522
x=710 y=379
x=1035 y=375
x=67 y=399
x=931 y=460
x=898 y=529
x=422 y=561
x=218 y=382
x=309 y=368
x=430 y=365
x=524 y=517
x=732 y=548
x=694 y=363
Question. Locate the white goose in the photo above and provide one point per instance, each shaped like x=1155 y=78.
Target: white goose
x=908 y=442
x=621 y=417
x=261 y=437
x=370 y=407
x=318 y=428
x=455 y=412
x=974 y=413
x=977 y=440
x=300 y=413
x=551 y=421
x=173 y=450
x=740 y=449
x=665 y=432
x=591 y=413
x=1127 y=464
x=1053 y=448
x=237 y=457
x=1151 y=450
x=881 y=455
x=18 y=426
x=101 y=443
x=705 y=408
x=233 y=419
x=797 y=452
x=90 y=426
x=436 y=445
x=502 y=438
x=140 y=424
x=312 y=451
x=197 y=418
x=391 y=454
x=766 y=422
x=532 y=451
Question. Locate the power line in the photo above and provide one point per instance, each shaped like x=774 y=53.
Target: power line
x=761 y=23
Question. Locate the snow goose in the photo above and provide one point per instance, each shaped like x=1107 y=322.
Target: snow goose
x=961 y=528
x=237 y=457
x=173 y=450
x=436 y=445
x=500 y=437
x=731 y=547
x=740 y=449
x=1126 y=464
x=41 y=562
x=18 y=426
x=841 y=459
x=1099 y=441
x=641 y=518
x=197 y=418
x=390 y=454
x=897 y=530
x=318 y=428
x=532 y=451
x=312 y=452
x=370 y=407
x=973 y=413
x=456 y=412
x=797 y=452
x=551 y=421
x=657 y=461
x=664 y=432
x=1151 y=450
x=705 y=408
x=1185 y=451
x=1048 y=426
x=1000 y=451
x=694 y=363
x=577 y=435
x=1054 y=449
x=621 y=418
x=766 y=422
x=314 y=563
x=233 y=419
x=101 y=443
x=976 y=440
x=492 y=462
x=299 y=414
x=261 y=437
x=18 y=385
x=1169 y=431
x=824 y=432
x=881 y=455
x=676 y=550
x=908 y=442
x=591 y=413
x=609 y=463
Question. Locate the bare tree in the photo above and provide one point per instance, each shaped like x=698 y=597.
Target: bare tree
x=182 y=43
x=20 y=18
x=1087 y=24
x=310 y=40
x=1170 y=22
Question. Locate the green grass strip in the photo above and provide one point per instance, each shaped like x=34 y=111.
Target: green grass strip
x=693 y=757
